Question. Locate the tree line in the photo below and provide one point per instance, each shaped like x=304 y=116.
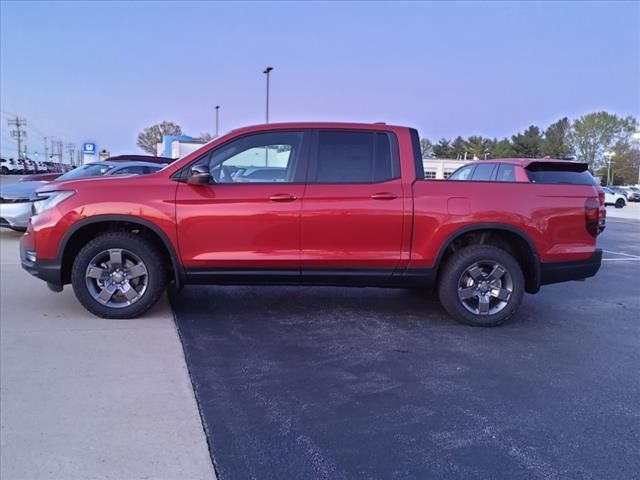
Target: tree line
x=590 y=138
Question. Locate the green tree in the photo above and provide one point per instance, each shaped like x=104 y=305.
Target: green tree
x=151 y=136
x=557 y=140
x=479 y=147
x=442 y=149
x=595 y=133
x=528 y=144
x=502 y=148
x=426 y=147
x=459 y=147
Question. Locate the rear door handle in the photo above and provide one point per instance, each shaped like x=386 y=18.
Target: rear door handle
x=384 y=196
x=282 y=197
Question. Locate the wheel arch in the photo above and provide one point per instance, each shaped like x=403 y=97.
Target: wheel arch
x=86 y=229
x=509 y=238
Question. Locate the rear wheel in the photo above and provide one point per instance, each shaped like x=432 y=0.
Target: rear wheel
x=620 y=203
x=481 y=285
x=118 y=275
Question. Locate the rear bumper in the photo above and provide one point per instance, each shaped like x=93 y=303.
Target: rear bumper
x=49 y=271
x=557 y=272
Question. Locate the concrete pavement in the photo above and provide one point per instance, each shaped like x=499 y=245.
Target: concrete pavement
x=87 y=398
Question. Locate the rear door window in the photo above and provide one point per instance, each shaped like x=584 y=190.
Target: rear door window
x=483 y=172
x=506 y=173
x=354 y=157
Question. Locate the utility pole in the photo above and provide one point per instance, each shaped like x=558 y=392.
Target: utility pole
x=70 y=148
x=18 y=133
x=217 y=119
x=267 y=72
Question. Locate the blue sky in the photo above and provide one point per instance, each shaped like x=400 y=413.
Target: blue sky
x=102 y=71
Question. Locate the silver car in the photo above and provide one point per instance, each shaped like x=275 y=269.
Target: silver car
x=16 y=199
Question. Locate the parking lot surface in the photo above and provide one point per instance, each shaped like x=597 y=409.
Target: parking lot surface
x=86 y=398
x=380 y=383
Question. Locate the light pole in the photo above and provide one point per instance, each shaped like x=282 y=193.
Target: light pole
x=267 y=72
x=217 y=118
x=609 y=155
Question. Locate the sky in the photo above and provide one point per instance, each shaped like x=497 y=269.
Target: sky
x=102 y=71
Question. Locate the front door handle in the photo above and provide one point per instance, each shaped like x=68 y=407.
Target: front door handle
x=282 y=197
x=384 y=196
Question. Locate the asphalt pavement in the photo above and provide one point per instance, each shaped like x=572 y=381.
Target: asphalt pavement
x=372 y=383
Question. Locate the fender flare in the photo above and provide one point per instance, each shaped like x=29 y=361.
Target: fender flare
x=532 y=283
x=177 y=267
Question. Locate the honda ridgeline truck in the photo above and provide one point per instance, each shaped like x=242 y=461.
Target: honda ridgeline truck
x=319 y=204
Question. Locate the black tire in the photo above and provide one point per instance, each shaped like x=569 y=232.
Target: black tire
x=620 y=203
x=456 y=268
x=155 y=276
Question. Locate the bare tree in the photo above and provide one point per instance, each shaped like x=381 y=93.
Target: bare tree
x=151 y=136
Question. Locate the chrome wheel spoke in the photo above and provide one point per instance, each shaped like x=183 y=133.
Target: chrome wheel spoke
x=129 y=292
x=136 y=271
x=466 y=293
x=476 y=273
x=483 y=304
x=106 y=293
x=496 y=273
x=115 y=258
x=501 y=294
x=97 y=273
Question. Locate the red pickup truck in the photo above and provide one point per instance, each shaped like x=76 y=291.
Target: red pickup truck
x=319 y=204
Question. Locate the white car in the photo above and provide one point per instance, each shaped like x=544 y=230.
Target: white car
x=613 y=198
x=8 y=166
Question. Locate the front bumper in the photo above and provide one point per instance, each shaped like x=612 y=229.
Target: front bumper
x=556 y=272
x=48 y=270
x=15 y=215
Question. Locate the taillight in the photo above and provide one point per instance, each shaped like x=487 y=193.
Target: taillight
x=592 y=216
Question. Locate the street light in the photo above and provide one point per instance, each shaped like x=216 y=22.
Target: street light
x=610 y=155
x=267 y=72
x=217 y=110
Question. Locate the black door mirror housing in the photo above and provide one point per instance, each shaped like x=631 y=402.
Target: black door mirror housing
x=199 y=175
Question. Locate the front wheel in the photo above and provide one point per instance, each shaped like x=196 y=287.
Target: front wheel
x=481 y=285
x=620 y=203
x=118 y=275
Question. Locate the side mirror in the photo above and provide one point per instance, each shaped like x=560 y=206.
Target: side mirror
x=199 y=175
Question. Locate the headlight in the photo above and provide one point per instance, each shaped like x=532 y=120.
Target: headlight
x=46 y=200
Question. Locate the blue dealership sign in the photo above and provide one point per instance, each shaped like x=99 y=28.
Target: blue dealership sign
x=89 y=148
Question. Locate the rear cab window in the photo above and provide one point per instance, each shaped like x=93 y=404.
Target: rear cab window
x=570 y=173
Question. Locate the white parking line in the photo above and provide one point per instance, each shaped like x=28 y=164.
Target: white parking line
x=622 y=253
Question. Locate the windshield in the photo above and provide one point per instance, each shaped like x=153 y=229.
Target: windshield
x=93 y=170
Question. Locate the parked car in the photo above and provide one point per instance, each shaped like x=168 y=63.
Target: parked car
x=620 y=190
x=9 y=166
x=614 y=198
x=16 y=199
x=355 y=209
x=632 y=193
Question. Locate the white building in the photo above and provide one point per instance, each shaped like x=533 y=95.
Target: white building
x=441 y=168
